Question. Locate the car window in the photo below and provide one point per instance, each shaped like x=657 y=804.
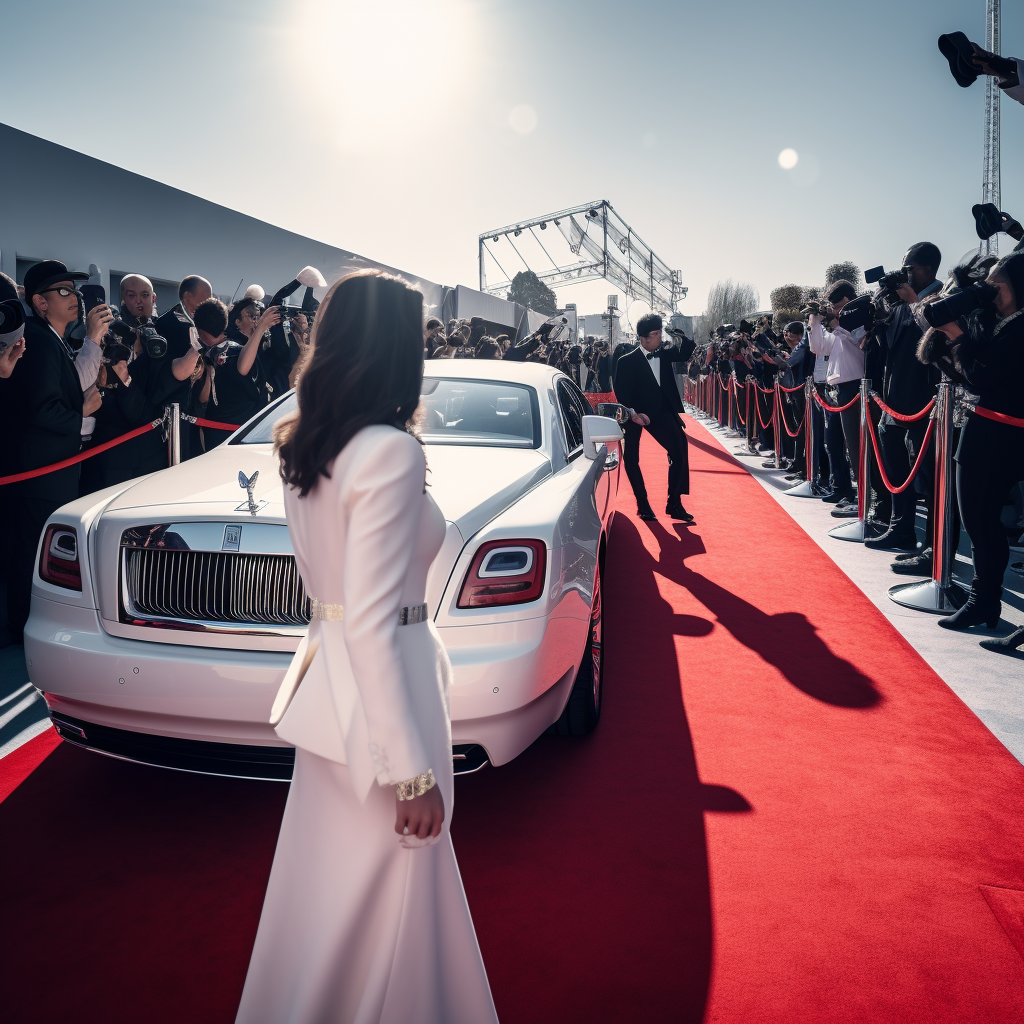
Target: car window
x=572 y=415
x=494 y=414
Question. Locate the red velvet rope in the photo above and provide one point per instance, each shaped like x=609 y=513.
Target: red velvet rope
x=757 y=408
x=836 y=408
x=211 y=424
x=782 y=414
x=901 y=416
x=81 y=456
x=917 y=462
x=764 y=391
x=790 y=391
x=989 y=414
x=735 y=385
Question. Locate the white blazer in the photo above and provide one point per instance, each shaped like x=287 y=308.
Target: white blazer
x=354 y=536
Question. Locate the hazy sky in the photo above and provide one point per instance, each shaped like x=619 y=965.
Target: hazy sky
x=387 y=128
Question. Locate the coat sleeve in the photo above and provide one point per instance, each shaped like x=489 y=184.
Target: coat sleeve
x=46 y=406
x=384 y=503
x=622 y=383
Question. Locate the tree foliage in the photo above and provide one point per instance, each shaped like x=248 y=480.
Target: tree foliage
x=728 y=302
x=786 y=296
x=846 y=271
x=530 y=291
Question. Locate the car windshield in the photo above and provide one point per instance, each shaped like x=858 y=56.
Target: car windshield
x=470 y=412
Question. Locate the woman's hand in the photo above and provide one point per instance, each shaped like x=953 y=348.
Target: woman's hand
x=423 y=816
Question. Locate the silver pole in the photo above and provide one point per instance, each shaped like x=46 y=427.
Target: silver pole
x=174 y=435
x=806 y=488
x=939 y=594
x=859 y=530
x=777 y=423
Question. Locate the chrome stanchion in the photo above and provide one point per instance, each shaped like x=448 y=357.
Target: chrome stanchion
x=807 y=489
x=940 y=594
x=733 y=410
x=747 y=448
x=777 y=423
x=858 y=529
x=173 y=434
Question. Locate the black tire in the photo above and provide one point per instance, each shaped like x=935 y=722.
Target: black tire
x=583 y=708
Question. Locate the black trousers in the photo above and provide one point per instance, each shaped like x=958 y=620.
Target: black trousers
x=901 y=444
x=990 y=460
x=667 y=430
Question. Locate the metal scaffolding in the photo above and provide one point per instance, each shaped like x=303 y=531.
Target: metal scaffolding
x=601 y=245
x=990 y=161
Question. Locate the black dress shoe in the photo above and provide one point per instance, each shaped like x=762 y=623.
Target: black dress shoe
x=974 y=613
x=909 y=556
x=1005 y=644
x=914 y=565
x=835 y=497
x=646 y=514
x=846 y=511
x=892 y=541
x=676 y=511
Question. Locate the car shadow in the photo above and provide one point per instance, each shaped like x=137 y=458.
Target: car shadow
x=585 y=860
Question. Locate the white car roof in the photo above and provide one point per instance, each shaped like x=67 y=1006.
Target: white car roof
x=538 y=375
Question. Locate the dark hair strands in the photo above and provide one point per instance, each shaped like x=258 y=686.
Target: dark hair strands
x=364 y=367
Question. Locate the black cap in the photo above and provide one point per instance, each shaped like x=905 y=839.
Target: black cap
x=795 y=327
x=40 y=276
x=12 y=322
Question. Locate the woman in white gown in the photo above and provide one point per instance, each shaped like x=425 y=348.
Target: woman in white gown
x=365 y=918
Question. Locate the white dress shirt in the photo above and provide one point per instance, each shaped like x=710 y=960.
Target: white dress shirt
x=655 y=364
x=842 y=348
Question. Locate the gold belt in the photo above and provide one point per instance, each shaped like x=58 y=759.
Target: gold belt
x=408 y=616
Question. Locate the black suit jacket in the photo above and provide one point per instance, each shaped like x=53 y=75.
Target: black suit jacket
x=45 y=411
x=636 y=387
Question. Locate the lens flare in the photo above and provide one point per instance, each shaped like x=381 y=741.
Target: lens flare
x=788 y=159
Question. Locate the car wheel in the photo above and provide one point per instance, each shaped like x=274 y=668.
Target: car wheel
x=583 y=709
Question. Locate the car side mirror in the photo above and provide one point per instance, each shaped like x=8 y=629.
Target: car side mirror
x=617 y=412
x=599 y=430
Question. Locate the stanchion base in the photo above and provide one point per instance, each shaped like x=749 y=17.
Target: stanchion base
x=855 y=530
x=749 y=452
x=805 y=489
x=928 y=596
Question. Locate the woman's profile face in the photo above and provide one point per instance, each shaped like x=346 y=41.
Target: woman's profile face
x=1005 y=302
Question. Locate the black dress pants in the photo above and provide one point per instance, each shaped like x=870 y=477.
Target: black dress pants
x=667 y=430
x=990 y=460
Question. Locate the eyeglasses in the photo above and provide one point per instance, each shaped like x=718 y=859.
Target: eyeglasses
x=63 y=291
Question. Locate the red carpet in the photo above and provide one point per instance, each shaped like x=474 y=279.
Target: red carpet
x=784 y=816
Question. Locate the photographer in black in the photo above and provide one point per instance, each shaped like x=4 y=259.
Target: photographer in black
x=988 y=350
x=234 y=387
x=907 y=387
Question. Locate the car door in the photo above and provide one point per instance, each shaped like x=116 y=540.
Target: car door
x=574 y=406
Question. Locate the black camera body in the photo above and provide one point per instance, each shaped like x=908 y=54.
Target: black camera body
x=888 y=283
x=961 y=303
x=859 y=312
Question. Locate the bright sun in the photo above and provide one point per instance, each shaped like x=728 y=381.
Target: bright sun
x=384 y=73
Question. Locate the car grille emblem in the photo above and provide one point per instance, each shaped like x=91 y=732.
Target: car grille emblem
x=247 y=484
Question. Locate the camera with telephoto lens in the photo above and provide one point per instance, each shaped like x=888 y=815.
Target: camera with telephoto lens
x=946 y=311
x=888 y=284
x=859 y=312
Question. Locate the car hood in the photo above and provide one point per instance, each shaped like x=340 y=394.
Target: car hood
x=471 y=485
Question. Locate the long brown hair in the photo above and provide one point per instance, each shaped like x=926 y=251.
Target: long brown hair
x=364 y=366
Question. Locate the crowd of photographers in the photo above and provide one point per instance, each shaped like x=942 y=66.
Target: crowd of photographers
x=903 y=339
x=77 y=373
x=589 y=364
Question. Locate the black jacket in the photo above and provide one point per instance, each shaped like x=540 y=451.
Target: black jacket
x=636 y=387
x=45 y=411
x=907 y=384
x=176 y=326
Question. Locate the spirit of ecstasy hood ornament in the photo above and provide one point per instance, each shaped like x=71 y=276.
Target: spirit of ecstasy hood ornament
x=247 y=484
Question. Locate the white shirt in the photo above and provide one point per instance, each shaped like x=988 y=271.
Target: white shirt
x=846 y=358
x=87 y=362
x=654 y=363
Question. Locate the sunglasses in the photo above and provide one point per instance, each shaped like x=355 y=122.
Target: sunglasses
x=63 y=291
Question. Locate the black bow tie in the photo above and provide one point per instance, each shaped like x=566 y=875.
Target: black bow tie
x=655 y=354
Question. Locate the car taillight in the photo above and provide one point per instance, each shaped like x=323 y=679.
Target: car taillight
x=505 y=572
x=58 y=563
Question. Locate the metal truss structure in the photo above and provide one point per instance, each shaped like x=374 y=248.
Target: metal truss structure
x=601 y=244
x=990 y=184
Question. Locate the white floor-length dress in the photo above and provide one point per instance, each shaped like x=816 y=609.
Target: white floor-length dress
x=358 y=925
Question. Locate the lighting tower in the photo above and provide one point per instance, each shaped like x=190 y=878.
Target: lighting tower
x=990 y=164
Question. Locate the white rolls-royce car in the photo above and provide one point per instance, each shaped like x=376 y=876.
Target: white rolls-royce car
x=165 y=610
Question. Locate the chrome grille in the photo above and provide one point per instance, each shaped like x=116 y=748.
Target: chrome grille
x=212 y=586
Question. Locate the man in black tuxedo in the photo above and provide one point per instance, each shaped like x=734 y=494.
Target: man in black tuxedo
x=645 y=381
